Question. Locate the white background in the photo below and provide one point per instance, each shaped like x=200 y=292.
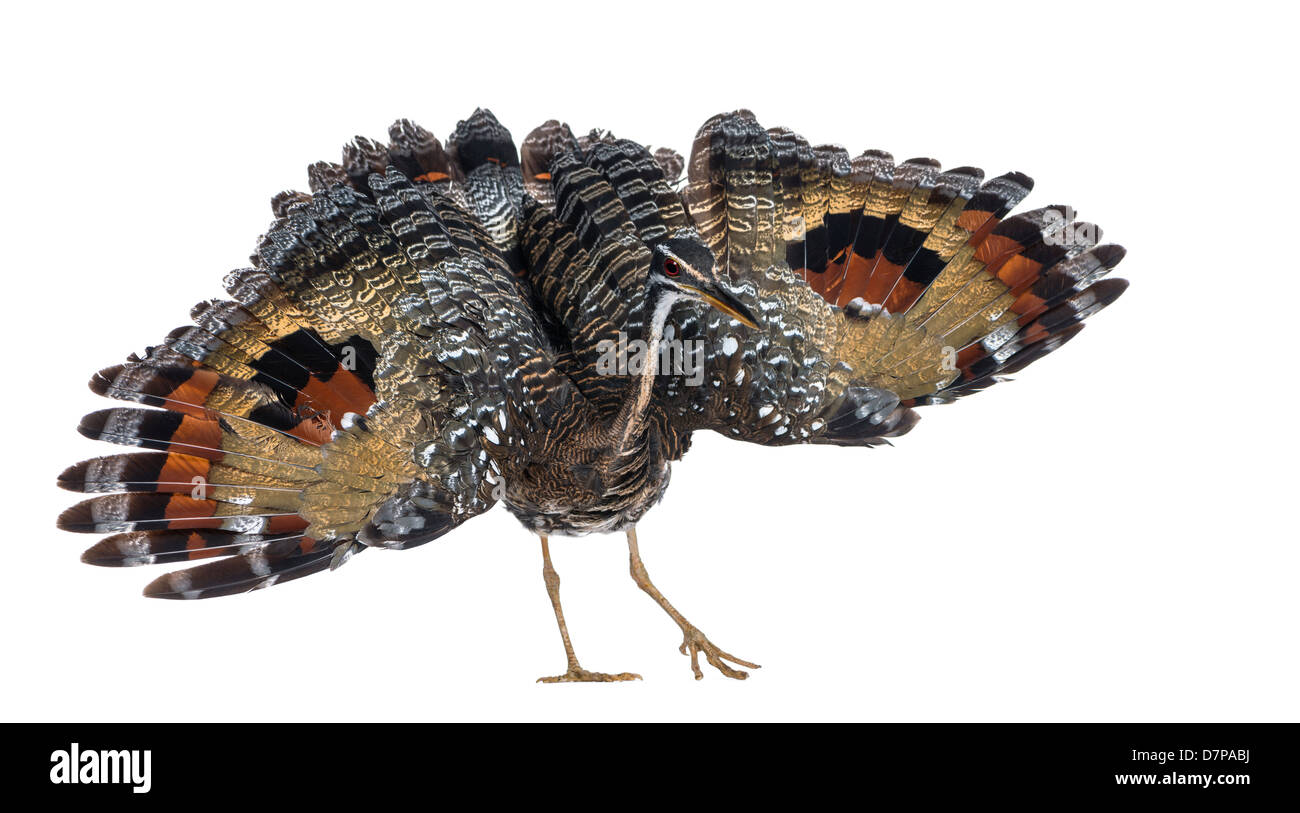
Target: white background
x=1108 y=538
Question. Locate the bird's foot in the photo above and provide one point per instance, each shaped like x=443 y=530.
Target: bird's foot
x=694 y=643
x=577 y=674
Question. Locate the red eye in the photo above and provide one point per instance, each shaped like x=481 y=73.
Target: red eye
x=671 y=267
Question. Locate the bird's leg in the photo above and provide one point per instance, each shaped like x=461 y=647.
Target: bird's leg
x=693 y=641
x=575 y=674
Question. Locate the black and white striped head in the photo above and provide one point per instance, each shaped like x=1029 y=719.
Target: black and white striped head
x=684 y=268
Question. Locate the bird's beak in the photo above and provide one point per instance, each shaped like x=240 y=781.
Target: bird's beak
x=725 y=301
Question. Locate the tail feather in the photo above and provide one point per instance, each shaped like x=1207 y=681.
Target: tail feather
x=994 y=357
x=1071 y=274
x=989 y=298
x=324 y=175
x=417 y=153
x=1017 y=305
x=971 y=279
x=140 y=471
x=494 y=184
x=542 y=146
x=974 y=378
x=655 y=209
x=261 y=567
x=137 y=548
x=361 y=157
x=671 y=163
x=587 y=202
x=117 y=513
x=162 y=473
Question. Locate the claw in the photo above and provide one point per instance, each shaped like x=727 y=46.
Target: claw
x=695 y=642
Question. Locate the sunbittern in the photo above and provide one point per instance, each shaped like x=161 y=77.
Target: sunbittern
x=433 y=331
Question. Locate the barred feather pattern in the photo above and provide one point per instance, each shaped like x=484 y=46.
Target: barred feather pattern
x=364 y=386
x=923 y=291
x=421 y=336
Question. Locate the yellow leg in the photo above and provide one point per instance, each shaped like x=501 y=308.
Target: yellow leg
x=575 y=673
x=693 y=640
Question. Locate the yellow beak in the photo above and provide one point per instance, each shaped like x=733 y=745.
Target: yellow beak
x=728 y=304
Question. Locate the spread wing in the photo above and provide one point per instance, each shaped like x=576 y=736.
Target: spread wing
x=360 y=386
x=879 y=286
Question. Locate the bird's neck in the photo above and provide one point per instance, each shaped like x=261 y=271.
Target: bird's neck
x=630 y=423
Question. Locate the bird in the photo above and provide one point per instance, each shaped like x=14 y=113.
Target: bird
x=434 y=328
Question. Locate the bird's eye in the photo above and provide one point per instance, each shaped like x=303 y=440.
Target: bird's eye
x=671 y=267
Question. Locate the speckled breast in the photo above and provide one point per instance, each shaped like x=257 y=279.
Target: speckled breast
x=613 y=500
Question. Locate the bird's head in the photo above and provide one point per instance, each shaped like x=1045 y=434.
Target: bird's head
x=684 y=268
